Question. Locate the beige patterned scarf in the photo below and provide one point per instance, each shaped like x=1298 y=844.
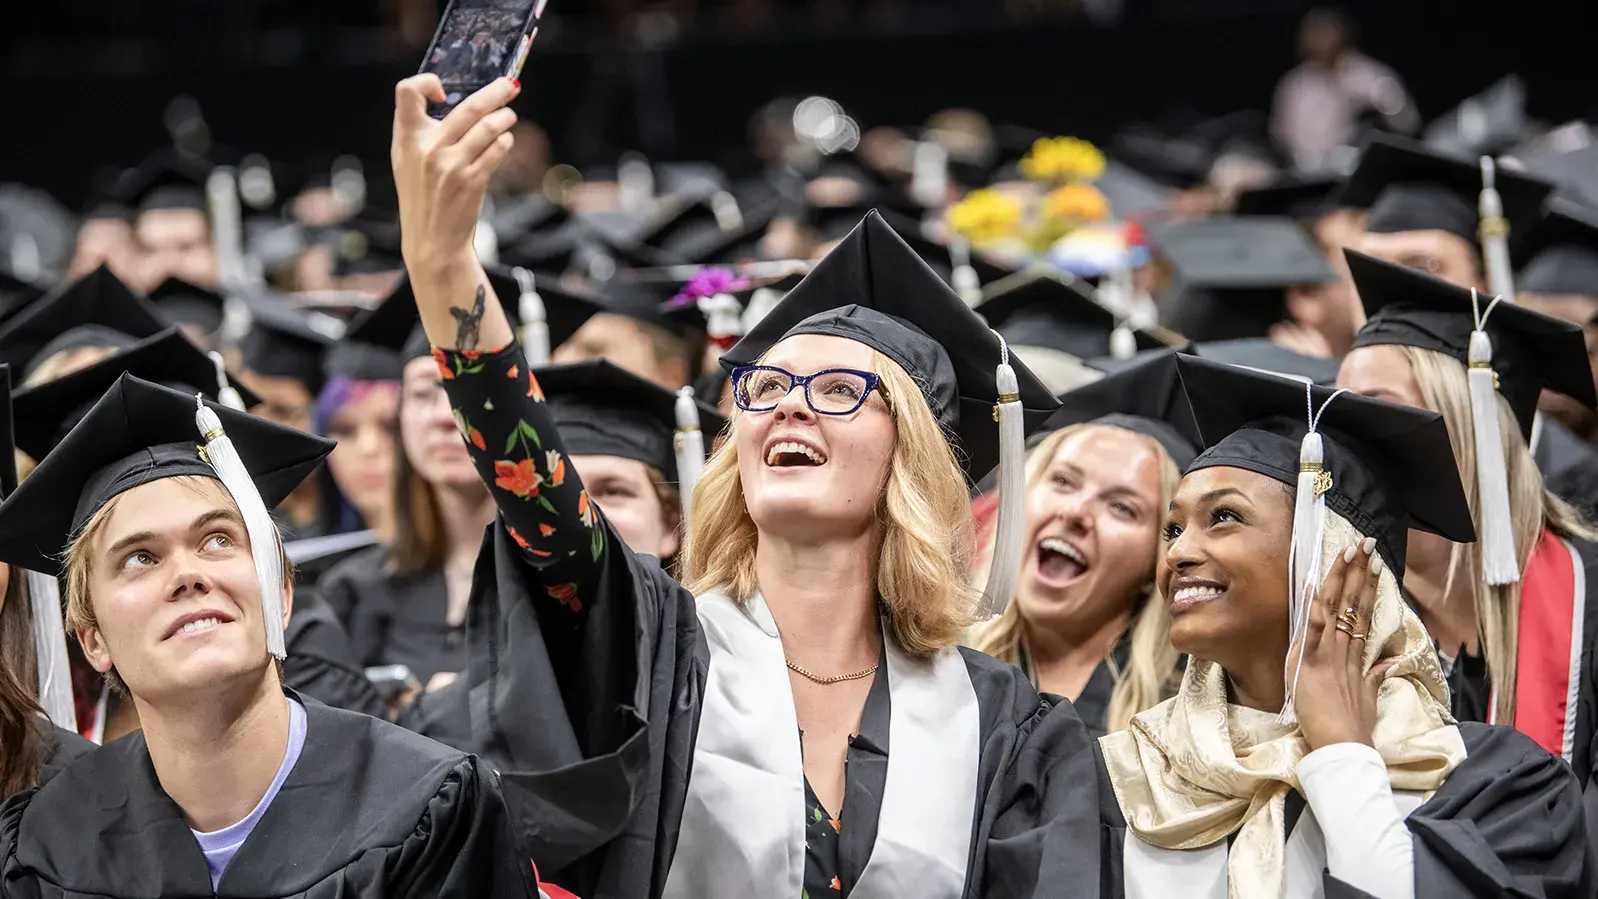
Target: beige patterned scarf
x=1195 y=769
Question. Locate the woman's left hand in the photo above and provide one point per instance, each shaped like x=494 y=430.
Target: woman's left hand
x=1336 y=698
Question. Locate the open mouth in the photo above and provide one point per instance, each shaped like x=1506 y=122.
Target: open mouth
x=198 y=624
x=1190 y=595
x=791 y=453
x=1060 y=563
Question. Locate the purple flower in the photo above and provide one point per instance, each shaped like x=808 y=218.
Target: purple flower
x=709 y=282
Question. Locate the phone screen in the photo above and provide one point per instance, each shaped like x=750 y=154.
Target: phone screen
x=478 y=41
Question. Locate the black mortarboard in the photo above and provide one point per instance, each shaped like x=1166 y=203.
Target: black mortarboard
x=1489 y=122
x=602 y=410
x=1392 y=467
x=1145 y=397
x=1574 y=171
x=1530 y=351
x=1299 y=197
x=282 y=343
x=1560 y=253
x=139 y=432
x=1057 y=311
x=1182 y=162
x=1410 y=187
x=685 y=226
x=874 y=289
x=643 y=302
x=167 y=180
x=185 y=304
x=95 y=310
x=396 y=325
x=44 y=414
x=1249 y=352
x=1232 y=274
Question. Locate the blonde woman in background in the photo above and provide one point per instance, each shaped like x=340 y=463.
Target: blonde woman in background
x=1517 y=653
x=798 y=717
x=1086 y=621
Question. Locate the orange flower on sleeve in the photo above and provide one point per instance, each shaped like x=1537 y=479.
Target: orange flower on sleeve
x=566 y=594
x=444 y=370
x=518 y=478
x=533 y=389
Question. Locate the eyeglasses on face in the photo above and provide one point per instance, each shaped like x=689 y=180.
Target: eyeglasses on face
x=834 y=391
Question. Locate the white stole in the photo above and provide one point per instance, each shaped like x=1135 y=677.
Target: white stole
x=742 y=829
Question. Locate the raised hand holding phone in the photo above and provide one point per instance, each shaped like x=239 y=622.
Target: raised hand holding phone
x=478 y=41
x=442 y=168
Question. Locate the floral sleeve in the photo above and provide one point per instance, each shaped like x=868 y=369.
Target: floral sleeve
x=501 y=413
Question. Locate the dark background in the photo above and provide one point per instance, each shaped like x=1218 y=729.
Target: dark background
x=85 y=82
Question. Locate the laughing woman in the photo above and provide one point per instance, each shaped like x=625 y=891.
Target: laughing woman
x=1335 y=771
x=838 y=741
x=1086 y=622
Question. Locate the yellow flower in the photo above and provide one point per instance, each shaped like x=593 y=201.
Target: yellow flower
x=1080 y=202
x=986 y=215
x=1063 y=159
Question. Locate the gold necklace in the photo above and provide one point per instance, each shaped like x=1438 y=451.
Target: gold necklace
x=830 y=680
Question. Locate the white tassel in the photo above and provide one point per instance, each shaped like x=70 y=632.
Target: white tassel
x=723 y=321
x=1494 y=234
x=535 y=321
x=724 y=206
x=1309 y=530
x=50 y=649
x=964 y=278
x=1123 y=343
x=224 y=388
x=223 y=457
x=689 y=443
x=761 y=302
x=1498 y=559
x=1012 y=489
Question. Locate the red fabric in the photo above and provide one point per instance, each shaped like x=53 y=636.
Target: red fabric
x=1542 y=681
x=550 y=890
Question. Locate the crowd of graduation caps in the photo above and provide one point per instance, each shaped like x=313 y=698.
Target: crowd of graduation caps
x=622 y=310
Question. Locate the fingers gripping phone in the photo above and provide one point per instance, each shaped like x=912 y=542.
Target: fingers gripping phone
x=478 y=41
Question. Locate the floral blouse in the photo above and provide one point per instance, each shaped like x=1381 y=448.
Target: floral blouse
x=541 y=500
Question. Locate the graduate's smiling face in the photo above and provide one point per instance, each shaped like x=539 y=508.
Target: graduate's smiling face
x=1224 y=571
x=1093 y=529
x=176 y=603
x=809 y=475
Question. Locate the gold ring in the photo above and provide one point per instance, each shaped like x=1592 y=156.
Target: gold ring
x=1350 y=618
x=1345 y=628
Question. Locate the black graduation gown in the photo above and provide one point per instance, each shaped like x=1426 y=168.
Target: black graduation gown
x=596 y=771
x=394 y=619
x=61 y=747
x=1506 y=822
x=321 y=661
x=368 y=810
x=1093 y=705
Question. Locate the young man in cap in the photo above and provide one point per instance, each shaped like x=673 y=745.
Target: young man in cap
x=235 y=786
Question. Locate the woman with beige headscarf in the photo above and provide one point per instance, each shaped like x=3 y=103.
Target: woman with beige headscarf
x=1310 y=751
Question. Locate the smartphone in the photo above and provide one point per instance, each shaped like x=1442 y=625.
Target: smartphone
x=478 y=41
x=392 y=680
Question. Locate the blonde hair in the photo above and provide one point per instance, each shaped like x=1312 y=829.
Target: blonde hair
x=1151 y=674
x=1444 y=388
x=65 y=362
x=923 y=510
x=80 y=558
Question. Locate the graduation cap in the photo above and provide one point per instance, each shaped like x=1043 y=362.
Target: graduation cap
x=1531 y=352
x=1057 y=311
x=1513 y=349
x=186 y=304
x=1489 y=122
x=1386 y=468
x=166 y=180
x=1560 y=253
x=95 y=310
x=141 y=432
x=1410 y=187
x=1180 y=162
x=874 y=289
x=1232 y=274
x=691 y=226
x=396 y=325
x=43 y=414
x=1249 y=352
x=645 y=302
x=1573 y=171
x=603 y=410
x=1144 y=397
x=1302 y=197
x=282 y=343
